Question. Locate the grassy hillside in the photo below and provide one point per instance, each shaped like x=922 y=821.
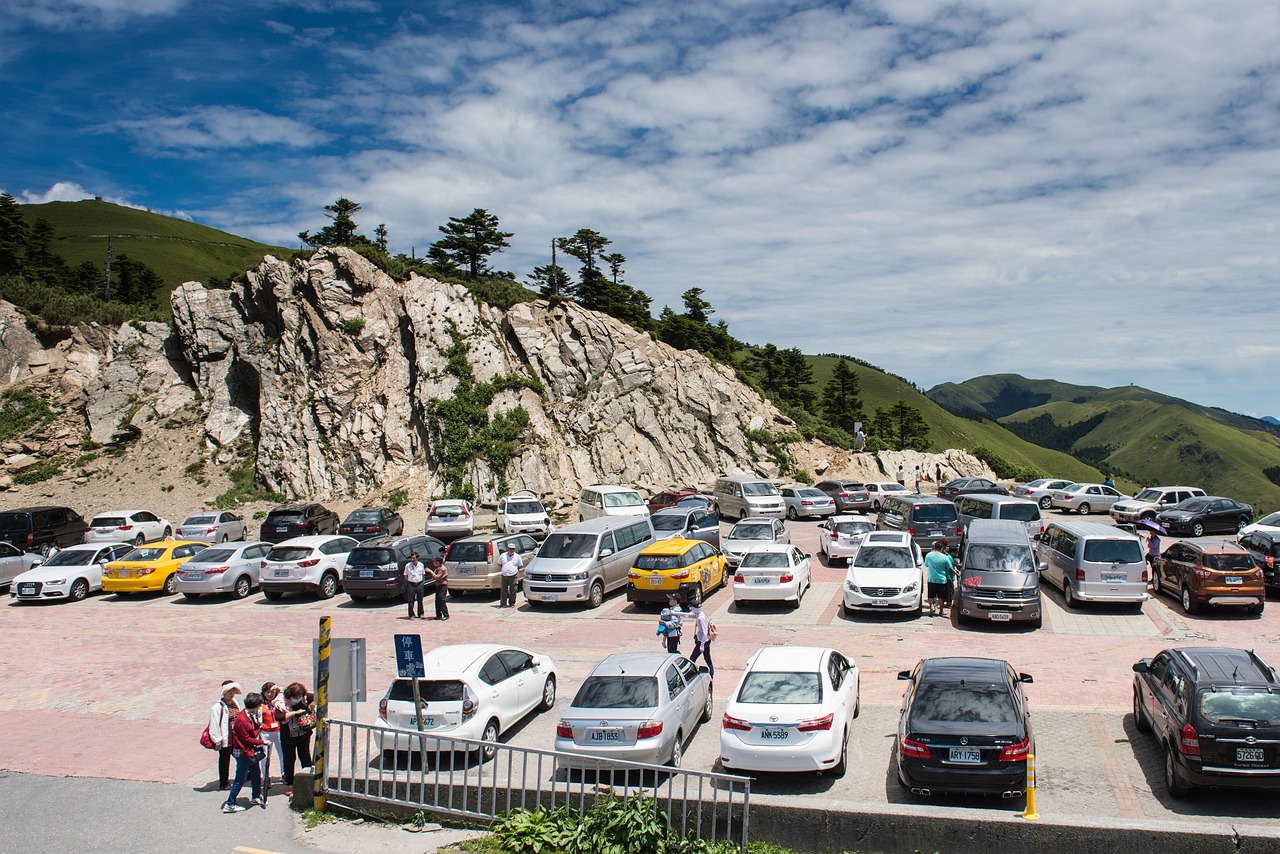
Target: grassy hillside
x=178 y=250
x=1161 y=443
x=952 y=431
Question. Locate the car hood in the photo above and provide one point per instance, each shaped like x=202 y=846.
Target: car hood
x=1175 y=514
x=995 y=580
x=864 y=576
x=41 y=573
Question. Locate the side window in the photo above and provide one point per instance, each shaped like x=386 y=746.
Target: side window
x=7 y=550
x=606 y=542
x=1158 y=667
x=526 y=544
x=675 y=682
x=643 y=532
x=516 y=661
x=494 y=671
x=687 y=670
x=833 y=672
x=1067 y=544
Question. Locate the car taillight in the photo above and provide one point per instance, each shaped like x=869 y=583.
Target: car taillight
x=1067 y=497
x=684 y=573
x=448 y=549
x=1271 y=562
x=488 y=553
x=563 y=730
x=816 y=724
x=1015 y=752
x=309 y=563
x=959 y=530
x=1145 y=575
x=1079 y=575
x=911 y=532
x=1189 y=743
x=466 y=512
x=469 y=701
x=31 y=538
x=382 y=708
x=431 y=511
x=835 y=535
x=804 y=502
x=262 y=565
x=145 y=571
x=631 y=573
x=914 y=749
x=1200 y=572
x=216 y=570
x=734 y=723
x=786 y=578
x=845 y=494
x=125 y=528
x=649 y=729
x=738 y=579
x=212 y=530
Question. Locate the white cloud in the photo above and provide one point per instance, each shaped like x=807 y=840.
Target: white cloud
x=68 y=14
x=70 y=191
x=218 y=127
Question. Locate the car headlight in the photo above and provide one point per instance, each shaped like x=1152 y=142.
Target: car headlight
x=578 y=576
x=912 y=587
x=55 y=581
x=851 y=587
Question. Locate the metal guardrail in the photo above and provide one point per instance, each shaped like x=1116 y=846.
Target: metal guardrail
x=476 y=779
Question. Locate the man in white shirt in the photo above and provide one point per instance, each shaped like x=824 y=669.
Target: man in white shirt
x=415 y=577
x=509 y=564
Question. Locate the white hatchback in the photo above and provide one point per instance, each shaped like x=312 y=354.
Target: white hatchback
x=310 y=564
x=128 y=526
x=792 y=711
x=451 y=517
x=772 y=573
x=840 y=536
x=886 y=574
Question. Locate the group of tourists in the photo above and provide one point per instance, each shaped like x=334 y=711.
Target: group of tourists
x=671 y=628
x=415 y=583
x=250 y=729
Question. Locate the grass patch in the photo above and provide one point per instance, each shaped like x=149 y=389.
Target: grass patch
x=38 y=473
x=397 y=499
x=20 y=410
x=353 y=325
x=85 y=459
x=244 y=488
x=313 y=818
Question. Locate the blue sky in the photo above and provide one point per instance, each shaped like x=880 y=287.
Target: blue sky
x=1086 y=191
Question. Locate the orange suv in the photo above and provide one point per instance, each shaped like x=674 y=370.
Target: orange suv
x=1210 y=572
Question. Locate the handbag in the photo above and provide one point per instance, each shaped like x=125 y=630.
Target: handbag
x=206 y=740
x=306 y=720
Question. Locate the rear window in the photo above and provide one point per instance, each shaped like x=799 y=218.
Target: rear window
x=1229 y=563
x=107 y=522
x=782 y=688
x=969 y=703
x=935 y=513
x=447 y=510
x=516 y=508
x=658 y=562
x=622 y=499
x=765 y=560
x=290 y=553
x=216 y=555
x=14 y=522
x=201 y=520
x=751 y=532
x=810 y=492
x=1020 y=512
x=362 y=557
x=668 y=523
x=1112 y=551
x=884 y=557
x=469 y=552
x=617 y=692
x=568 y=546
x=853 y=527
x=999 y=558
x=1226 y=706
x=283 y=517
x=364 y=516
x=431 y=690
x=759 y=489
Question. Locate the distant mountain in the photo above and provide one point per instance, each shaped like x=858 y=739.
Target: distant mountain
x=1270 y=419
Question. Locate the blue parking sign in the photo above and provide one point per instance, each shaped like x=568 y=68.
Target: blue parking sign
x=409 y=657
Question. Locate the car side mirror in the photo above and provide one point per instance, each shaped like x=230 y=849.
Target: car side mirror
x=1141 y=666
x=606 y=552
x=904 y=675
x=1036 y=537
x=36 y=562
x=1044 y=567
x=807 y=556
x=1025 y=677
x=537 y=662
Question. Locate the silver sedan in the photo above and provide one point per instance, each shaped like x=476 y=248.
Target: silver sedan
x=807 y=501
x=230 y=569
x=1086 y=498
x=212 y=527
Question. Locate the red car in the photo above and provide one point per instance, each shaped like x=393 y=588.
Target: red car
x=663 y=500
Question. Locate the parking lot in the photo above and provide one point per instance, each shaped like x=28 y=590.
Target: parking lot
x=121 y=688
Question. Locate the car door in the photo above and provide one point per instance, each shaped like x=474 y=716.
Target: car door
x=679 y=690
x=698 y=686
x=800 y=566
x=1222 y=516
x=843 y=688
x=1170 y=712
x=520 y=665
x=705 y=526
x=503 y=689
x=11 y=563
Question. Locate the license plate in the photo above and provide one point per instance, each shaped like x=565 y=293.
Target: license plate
x=548 y=598
x=124 y=573
x=280 y=573
x=192 y=576
x=1234 y=579
x=282 y=528
x=1001 y=616
x=605 y=735
x=880 y=603
x=969 y=755
x=775 y=734
x=655 y=582
x=466 y=570
x=1249 y=754
x=761 y=580
x=27 y=590
x=366 y=573
x=1113 y=579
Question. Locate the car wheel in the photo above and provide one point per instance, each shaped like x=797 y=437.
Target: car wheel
x=168 y=534
x=45 y=548
x=242 y=588
x=876 y=506
x=139 y=540
x=171 y=584
x=1256 y=608
x=839 y=768
x=1155 y=582
x=273 y=595
x=677 y=750
x=1197 y=530
x=187 y=594
x=548 y=693
x=222 y=539
x=244 y=535
x=1068 y=597
x=709 y=707
x=597 y=595
x=79 y=590
x=1173 y=782
x=1046 y=503
x=791 y=514
x=1189 y=605
x=1139 y=719
x=1084 y=509
x=328 y=586
x=1038 y=622
x=488 y=751
x=1241 y=525
x=697 y=596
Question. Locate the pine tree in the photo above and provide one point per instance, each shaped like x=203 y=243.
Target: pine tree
x=468 y=242
x=341 y=231
x=902 y=427
x=841 y=397
x=14 y=234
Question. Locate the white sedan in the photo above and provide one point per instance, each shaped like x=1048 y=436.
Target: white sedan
x=792 y=711
x=72 y=573
x=227 y=568
x=14 y=562
x=127 y=526
x=473 y=691
x=772 y=573
x=840 y=536
x=882 y=489
x=887 y=574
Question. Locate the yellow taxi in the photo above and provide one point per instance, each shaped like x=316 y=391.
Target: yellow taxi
x=689 y=568
x=149 y=568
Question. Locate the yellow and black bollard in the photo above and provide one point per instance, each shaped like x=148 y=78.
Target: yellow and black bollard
x=1030 y=813
x=322 y=715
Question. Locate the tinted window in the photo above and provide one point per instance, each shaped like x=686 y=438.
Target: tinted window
x=77 y=557
x=657 y=562
x=759 y=489
x=1229 y=563
x=1113 y=551
x=675 y=682
x=473 y=552
x=287 y=517
x=606 y=544
x=516 y=661
x=187 y=551
x=494 y=671
x=752 y=531
x=1241 y=705
x=371 y=557
x=1195 y=505
x=107 y=522
x=669 y=523
x=632 y=534
x=568 y=546
x=216 y=555
x=365 y=516
x=884 y=556
x=520 y=507
x=935 y=513
x=290 y=554
x=853 y=527
x=1020 y=512
x=201 y=520
x=781 y=688
x=999 y=558
x=765 y=560
x=144 y=554
x=430 y=690
x=617 y=692
x=972 y=702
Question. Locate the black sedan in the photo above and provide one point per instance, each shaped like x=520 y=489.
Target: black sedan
x=1206 y=514
x=965 y=728
x=369 y=522
x=970 y=486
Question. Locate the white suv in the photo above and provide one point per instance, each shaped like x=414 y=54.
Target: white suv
x=127 y=526
x=605 y=500
x=886 y=574
x=311 y=564
x=522 y=513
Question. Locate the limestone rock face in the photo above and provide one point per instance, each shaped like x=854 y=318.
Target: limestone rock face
x=17 y=345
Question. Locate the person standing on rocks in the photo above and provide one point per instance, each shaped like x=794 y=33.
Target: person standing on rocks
x=937 y=474
x=415 y=577
x=902 y=476
x=220 y=729
x=441 y=576
x=509 y=564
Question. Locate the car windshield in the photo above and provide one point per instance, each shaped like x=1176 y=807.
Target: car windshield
x=669 y=522
x=1148 y=495
x=1038 y=483
x=472 y=552
x=214 y=555
x=1272 y=520
x=758 y=489
x=201 y=520
x=520 y=508
x=935 y=512
x=853 y=527
x=72 y=557
x=974 y=702
x=1112 y=551
x=14 y=522
x=999 y=558
x=365 y=557
x=364 y=516
x=765 y=560
x=107 y=522
x=1240 y=704
x=1020 y=512
x=1229 y=562
x=568 y=546
x=617 y=692
x=1193 y=505
x=431 y=690
x=781 y=688
x=754 y=531
x=290 y=553
x=144 y=554
x=810 y=492
x=658 y=562
x=883 y=557
x=622 y=499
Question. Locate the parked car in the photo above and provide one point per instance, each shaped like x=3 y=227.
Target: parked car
x=807 y=501
x=1206 y=515
x=792 y=710
x=1150 y=501
x=127 y=526
x=879 y=490
x=740 y=497
x=450 y=517
x=690 y=569
x=306 y=564
x=1213 y=572
x=226 y=568
x=848 y=495
x=753 y=532
x=369 y=522
x=73 y=573
x=886 y=574
x=1215 y=712
x=1086 y=498
x=999 y=579
x=1041 y=490
x=605 y=500
x=14 y=562
x=298 y=520
x=1005 y=507
x=522 y=513
x=40 y=529
x=584 y=561
x=1264 y=545
x=970 y=486
x=772 y=573
x=840 y=536
x=637 y=706
x=375 y=567
x=965 y=728
x=213 y=527
x=1092 y=562
x=1270 y=523
x=693 y=522
x=148 y=568
x=472 y=562
x=673 y=497
x=472 y=691
x=925 y=517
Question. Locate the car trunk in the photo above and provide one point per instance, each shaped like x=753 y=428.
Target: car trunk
x=608 y=727
x=442 y=702
x=780 y=725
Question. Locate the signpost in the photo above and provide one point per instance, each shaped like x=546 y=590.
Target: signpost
x=409 y=666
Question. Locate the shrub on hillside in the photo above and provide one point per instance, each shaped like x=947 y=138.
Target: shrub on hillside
x=1002 y=467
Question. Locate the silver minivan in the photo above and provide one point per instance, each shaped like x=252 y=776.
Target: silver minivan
x=1008 y=507
x=924 y=517
x=584 y=561
x=998 y=577
x=740 y=497
x=1092 y=562
x=601 y=499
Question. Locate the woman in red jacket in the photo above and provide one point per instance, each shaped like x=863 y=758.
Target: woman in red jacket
x=247 y=748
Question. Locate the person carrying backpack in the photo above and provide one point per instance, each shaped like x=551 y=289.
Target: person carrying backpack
x=669 y=624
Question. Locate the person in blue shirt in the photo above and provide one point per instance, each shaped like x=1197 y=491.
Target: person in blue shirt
x=939 y=569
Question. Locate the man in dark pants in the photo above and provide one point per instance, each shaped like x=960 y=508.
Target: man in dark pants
x=441 y=576
x=415 y=576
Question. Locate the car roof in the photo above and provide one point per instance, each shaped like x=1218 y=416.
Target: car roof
x=1214 y=545
x=959 y=667
x=1093 y=529
x=440 y=501
x=460 y=656
x=601 y=524
x=314 y=540
x=119 y=512
x=36 y=509
x=382 y=542
x=676 y=545
x=171 y=544
x=795 y=659
x=675 y=510
x=633 y=664
x=1226 y=666
x=770 y=548
x=887 y=538
x=88 y=547
x=1005 y=531
x=755 y=520
x=489 y=537
x=850 y=517
x=611 y=487
x=522 y=495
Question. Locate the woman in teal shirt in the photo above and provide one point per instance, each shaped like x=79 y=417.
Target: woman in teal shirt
x=939 y=569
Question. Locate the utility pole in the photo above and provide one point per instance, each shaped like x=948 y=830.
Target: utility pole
x=106 y=291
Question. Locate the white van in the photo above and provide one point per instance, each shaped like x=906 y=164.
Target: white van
x=1007 y=507
x=1092 y=562
x=584 y=561
x=740 y=497
x=601 y=499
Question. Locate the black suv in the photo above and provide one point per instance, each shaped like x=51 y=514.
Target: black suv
x=1216 y=715
x=1265 y=548
x=297 y=520
x=39 y=529
x=375 y=568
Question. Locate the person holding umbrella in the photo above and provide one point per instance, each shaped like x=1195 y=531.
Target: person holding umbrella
x=1153 y=541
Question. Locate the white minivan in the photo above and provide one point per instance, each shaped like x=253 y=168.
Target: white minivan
x=601 y=499
x=1091 y=562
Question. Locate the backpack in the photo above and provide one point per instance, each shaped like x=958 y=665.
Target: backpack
x=712 y=631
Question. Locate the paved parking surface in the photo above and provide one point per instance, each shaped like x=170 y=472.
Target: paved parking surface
x=121 y=688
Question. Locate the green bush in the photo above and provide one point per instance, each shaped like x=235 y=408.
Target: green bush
x=244 y=488
x=38 y=473
x=397 y=499
x=60 y=308
x=20 y=410
x=804 y=477
x=353 y=325
x=611 y=826
x=1002 y=467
